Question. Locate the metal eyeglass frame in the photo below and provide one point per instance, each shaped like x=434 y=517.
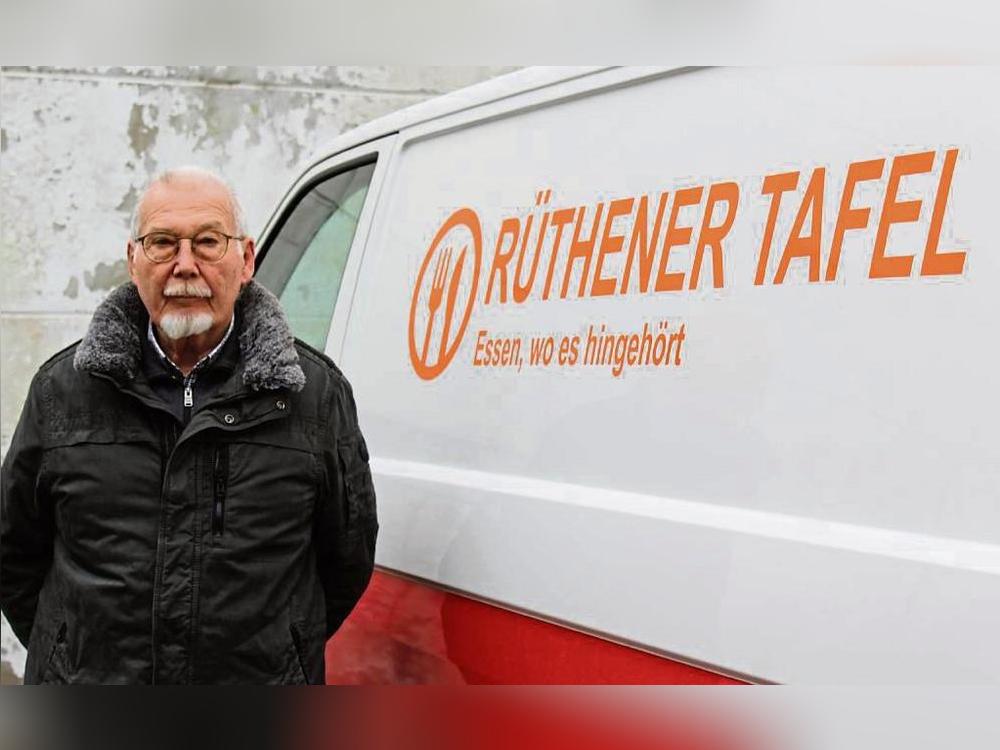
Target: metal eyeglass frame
x=139 y=241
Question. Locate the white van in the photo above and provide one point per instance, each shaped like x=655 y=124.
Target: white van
x=668 y=375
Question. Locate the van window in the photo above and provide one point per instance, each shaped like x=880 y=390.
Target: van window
x=304 y=263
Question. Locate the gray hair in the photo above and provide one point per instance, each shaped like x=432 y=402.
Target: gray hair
x=188 y=171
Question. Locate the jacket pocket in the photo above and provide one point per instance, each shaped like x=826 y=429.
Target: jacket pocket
x=54 y=671
x=352 y=454
x=262 y=493
x=302 y=678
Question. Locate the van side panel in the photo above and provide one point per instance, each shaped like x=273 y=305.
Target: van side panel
x=772 y=447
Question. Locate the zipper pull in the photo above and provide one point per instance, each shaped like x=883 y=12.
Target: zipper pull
x=188 y=395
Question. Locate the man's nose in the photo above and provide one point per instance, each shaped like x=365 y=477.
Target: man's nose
x=185 y=263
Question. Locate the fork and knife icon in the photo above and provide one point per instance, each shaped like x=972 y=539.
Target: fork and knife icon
x=441 y=268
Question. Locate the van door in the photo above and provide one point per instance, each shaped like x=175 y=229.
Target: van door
x=311 y=250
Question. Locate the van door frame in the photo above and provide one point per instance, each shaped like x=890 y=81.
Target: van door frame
x=378 y=150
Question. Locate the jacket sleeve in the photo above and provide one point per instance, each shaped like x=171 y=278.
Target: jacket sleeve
x=346 y=523
x=26 y=523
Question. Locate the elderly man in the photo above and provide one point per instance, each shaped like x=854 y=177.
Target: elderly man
x=187 y=496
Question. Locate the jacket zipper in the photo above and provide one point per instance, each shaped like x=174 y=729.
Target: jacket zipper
x=168 y=438
x=220 y=473
x=188 y=396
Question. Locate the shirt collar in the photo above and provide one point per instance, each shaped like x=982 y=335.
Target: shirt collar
x=151 y=336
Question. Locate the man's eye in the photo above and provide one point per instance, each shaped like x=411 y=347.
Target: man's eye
x=207 y=242
x=161 y=240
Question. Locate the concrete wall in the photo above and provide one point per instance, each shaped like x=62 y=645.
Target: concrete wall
x=78 y=144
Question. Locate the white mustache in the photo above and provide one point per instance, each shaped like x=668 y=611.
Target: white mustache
x=187 y=289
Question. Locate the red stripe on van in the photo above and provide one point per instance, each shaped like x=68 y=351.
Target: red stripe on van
x=407 y=632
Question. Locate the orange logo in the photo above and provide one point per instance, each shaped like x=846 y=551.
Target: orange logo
x=434 y=333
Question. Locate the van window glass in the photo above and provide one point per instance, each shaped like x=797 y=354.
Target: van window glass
x=305 y=261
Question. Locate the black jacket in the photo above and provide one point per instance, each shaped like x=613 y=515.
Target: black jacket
x=136 y=549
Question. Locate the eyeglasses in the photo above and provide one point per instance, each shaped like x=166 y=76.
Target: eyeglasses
x=209 y=246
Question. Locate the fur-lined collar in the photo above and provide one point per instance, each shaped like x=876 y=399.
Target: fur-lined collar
x=113 y=344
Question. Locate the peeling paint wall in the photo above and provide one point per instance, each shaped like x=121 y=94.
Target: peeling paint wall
x=78 y=144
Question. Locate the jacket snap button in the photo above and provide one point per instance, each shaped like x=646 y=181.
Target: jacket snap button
x=229 y=419
x=280 y=404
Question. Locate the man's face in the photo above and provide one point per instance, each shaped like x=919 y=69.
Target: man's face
x=186 y=287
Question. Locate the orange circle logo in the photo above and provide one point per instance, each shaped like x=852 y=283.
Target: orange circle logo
x=447 y=276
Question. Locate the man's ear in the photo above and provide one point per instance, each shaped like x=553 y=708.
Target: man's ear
x=129 y=255
x=249 y=260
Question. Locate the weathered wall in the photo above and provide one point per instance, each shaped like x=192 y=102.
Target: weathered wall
x=77 y=144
